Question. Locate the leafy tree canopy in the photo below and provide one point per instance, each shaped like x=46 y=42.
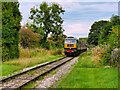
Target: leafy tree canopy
x=99 y=32
x=95 y=31
x=47 y=18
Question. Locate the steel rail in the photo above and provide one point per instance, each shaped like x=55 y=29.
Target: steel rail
x=43 y=74
x=13 y=76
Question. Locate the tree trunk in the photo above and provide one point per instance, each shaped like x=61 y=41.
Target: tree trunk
x=45 y=37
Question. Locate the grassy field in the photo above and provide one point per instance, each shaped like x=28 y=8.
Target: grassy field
x=90 y=74
x=14 y=65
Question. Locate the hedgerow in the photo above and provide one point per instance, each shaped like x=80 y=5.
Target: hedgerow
x=11 y=18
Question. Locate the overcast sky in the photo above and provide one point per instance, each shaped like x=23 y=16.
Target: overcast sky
x=79 y=16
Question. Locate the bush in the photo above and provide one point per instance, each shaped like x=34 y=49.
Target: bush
x=48 y=45
x=98 y=53
x=110 y=45
x=28 y=38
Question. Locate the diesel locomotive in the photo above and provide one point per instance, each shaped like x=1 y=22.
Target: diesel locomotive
x=71 y=46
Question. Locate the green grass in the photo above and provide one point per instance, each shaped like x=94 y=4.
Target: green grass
x=18 y=64
x=7 y=69
x=85 y=61
x=91 y=78
x=89 y=74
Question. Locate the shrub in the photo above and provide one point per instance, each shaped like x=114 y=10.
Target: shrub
x=98 y=53
x=112 y=43
x=109 y=45
x=48 y=45
x=28 y=38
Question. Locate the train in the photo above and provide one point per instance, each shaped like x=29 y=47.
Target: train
x=72 y=46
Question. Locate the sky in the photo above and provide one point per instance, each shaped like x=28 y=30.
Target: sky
x=78 y=16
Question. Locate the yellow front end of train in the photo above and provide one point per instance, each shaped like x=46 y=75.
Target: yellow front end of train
x=70 y=46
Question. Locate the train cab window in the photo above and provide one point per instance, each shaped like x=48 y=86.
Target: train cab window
x=67 y=41
x=73 y=41
x=70 y=41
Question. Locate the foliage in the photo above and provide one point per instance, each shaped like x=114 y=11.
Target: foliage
x=116 y=31
x=99 y=32
x=47 y=45
x=35 y=29
x=59 y=42
x=83 y=41
x=108 y=37
x=98 y=52
x=95 y=31
x=105 y=33
x=58 y=52
x=103 y=52
x=104 y=36
x=112 y=43
x=115 y=20
x=11 y=18
x=28 y=38
x=48 y=19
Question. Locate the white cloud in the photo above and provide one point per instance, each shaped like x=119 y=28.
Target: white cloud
x=70 y=6
x=74 y=6
x=76 y=29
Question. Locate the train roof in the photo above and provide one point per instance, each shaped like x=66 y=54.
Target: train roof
x=71 y=38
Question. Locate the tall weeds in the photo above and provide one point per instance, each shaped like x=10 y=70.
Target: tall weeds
x=30 y=57
x=98 y=53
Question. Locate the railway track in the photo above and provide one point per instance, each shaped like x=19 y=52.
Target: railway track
x=21 y=79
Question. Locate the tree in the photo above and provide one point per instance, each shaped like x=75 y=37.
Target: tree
x=100 y=31
x=47 y=18
x=95 y=31
x=115 y=20
x=11 y=18
x=105 y=33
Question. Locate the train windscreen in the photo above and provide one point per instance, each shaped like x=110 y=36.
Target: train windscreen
x=70 y=41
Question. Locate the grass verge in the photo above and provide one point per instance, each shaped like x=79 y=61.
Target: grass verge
x=12 y=66
x=90 y=74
